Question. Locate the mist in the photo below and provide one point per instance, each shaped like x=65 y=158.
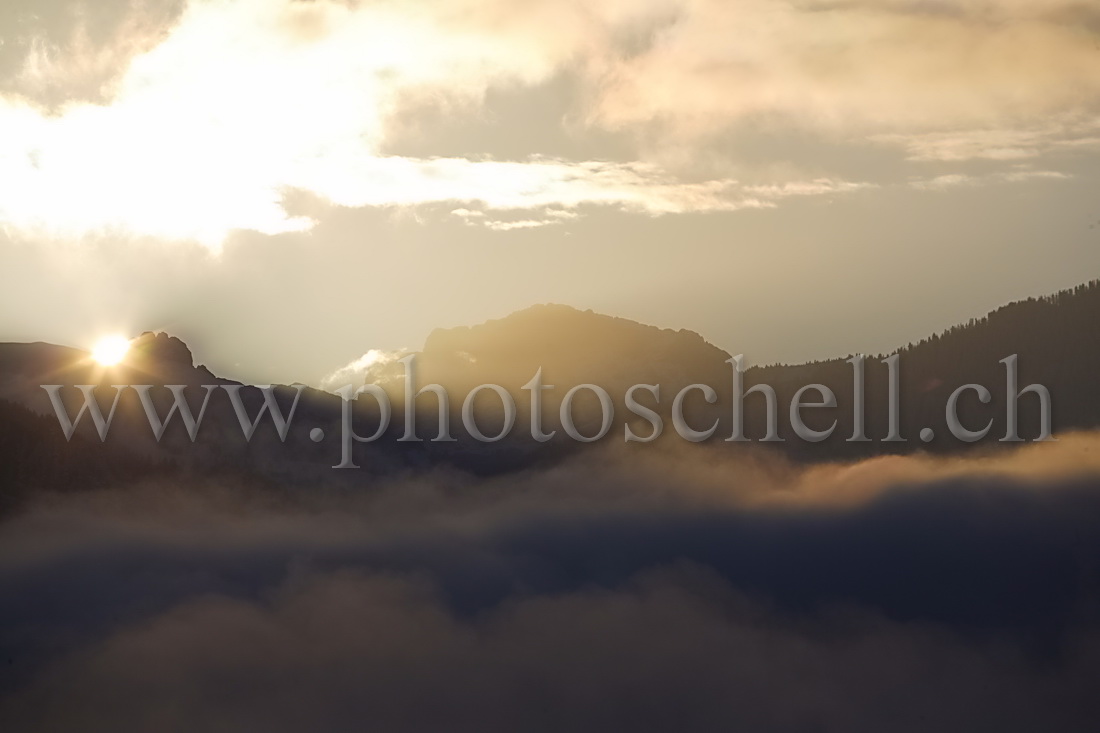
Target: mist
x=680 y=588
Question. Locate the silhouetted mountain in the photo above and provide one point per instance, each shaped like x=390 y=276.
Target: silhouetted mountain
x=35 y=456
x=153 y=359
x=571 y=348
x=1057 y=343
x=1055 y=340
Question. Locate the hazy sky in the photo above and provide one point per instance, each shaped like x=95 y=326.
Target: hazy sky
x=287 y=184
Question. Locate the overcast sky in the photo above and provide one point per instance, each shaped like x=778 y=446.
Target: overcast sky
x=287 y=184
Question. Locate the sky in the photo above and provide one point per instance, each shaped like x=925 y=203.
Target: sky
x=287 y=184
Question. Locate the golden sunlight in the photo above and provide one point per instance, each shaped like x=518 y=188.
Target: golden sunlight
x=111 y=350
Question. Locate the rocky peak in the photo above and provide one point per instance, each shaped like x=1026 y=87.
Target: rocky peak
x=162 y=349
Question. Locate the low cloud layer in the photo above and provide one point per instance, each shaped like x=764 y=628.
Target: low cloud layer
x=661 y=591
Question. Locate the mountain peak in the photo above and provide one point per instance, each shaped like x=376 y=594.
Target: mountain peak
x=557 y=328
x=162 y=348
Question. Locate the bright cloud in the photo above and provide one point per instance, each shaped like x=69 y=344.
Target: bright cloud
x=244 y=101
x=362 y=370
x=863 y=64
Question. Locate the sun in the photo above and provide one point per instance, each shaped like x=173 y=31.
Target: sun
x=111 y=350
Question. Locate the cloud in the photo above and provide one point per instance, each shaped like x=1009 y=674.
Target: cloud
x=864 y=65
x=362 y=370
x=548 y=217
x=1015 y=175
x=996 y=144
x=212 y=117
x=56 y=52
x=670 y=650
x=245 y=102
x=689 y=589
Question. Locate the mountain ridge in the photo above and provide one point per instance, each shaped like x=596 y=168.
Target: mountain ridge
x=1056 y=338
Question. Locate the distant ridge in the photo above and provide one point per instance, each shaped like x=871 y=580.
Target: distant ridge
x=1056 y=340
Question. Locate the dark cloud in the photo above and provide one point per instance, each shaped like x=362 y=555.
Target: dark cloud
x=596 y=594
x=672 y=650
